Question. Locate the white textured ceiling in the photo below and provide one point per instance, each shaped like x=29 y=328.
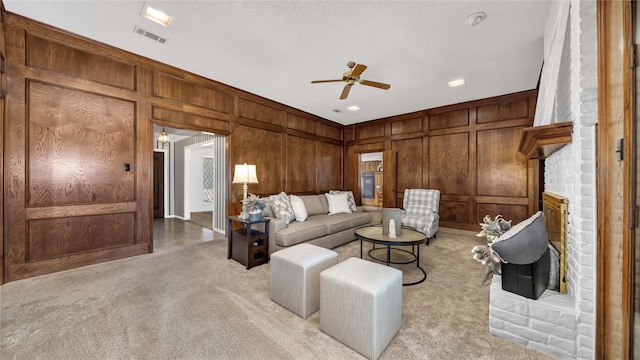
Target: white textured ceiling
x=275 y=48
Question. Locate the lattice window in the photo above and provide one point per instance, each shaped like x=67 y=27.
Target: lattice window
x=207 y=179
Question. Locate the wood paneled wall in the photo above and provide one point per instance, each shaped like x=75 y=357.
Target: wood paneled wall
x=77 y=112
x=3 y=86
x=468 y=151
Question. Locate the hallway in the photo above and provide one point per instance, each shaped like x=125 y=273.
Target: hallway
x=169 y=233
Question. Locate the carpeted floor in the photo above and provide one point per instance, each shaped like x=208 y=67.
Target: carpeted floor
x=190 y=302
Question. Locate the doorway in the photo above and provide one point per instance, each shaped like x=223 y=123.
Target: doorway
x=193 y=187
x=371 y=179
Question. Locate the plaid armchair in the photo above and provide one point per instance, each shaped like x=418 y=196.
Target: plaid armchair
x=421 y=211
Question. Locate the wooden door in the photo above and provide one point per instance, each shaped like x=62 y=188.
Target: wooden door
x=158 y=184
x=614 y=317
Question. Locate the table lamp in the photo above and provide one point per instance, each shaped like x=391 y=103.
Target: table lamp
x=244 y=174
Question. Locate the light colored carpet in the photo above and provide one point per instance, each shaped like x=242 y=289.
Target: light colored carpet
x=190 y=302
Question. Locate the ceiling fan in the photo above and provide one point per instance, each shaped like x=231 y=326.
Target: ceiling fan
x=353 y=75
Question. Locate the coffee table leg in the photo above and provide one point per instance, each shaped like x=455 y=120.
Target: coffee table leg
x=360 y=248
x=388 y=254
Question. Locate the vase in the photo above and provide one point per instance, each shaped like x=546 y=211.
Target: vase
x=255 y=216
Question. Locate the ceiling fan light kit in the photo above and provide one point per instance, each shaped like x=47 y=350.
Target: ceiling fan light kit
x=351 y=77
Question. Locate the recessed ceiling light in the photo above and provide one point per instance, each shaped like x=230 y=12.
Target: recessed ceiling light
x=157 y=16
x=457 y=82
x=353 y=108
x=475 y=19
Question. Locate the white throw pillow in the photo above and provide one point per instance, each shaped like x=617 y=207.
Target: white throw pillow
x=338 y=203
x=350 y=198
x=298 y=208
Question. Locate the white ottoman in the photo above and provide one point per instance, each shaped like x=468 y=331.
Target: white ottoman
x=295 y=277
x=361 y=305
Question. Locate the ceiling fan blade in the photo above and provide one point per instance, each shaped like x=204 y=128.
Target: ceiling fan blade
x=375 y=84
x=345 y=92
x=358 y=70
x=325 y=81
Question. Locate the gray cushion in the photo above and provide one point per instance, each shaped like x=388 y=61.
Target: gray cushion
x=524 y=243
x=297 y=232
x=335 y=223
x=325 y=203
x=359 y=218
x=313 y=204
x=267 y=211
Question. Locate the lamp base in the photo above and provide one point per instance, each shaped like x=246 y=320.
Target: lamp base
x=243 y=215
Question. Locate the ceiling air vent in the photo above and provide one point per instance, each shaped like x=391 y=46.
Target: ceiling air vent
x=336 y=110
x=150 y=35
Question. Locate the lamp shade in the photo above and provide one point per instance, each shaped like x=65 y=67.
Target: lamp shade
x=163 y=137
x=245 y=174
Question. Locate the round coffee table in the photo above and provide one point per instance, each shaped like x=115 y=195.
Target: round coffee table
x=407 y=237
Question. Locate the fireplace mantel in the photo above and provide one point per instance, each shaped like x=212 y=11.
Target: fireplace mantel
x=538 y=142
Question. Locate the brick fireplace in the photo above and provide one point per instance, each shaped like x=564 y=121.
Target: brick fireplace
x=563 y=325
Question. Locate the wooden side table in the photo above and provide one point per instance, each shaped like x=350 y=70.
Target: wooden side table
x=245 y=245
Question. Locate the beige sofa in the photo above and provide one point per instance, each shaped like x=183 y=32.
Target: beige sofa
x=320 y=228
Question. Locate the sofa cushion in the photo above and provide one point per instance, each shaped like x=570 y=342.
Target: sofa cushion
x=282 y=207
x=338 y=203
x=359 y=219
x=350 y=199
x=299 y=209
x=313 y=204
x=324 y=202
x=335 y=223
x=297 y=232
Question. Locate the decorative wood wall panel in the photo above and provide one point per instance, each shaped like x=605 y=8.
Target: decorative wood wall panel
x=449 y=119
x=264 y=149
x=368 y=132
x=409 y=155
x=515 y=213
x=303 y=124
x=501 y=172
x=454 y=211
x=316 y=126
x=169 y=87
x=184 y=118
x=329 y=167
x=301 y=165
x=78 y=145
x=449 y=163
x=406 y=126
x=329 y=131
x=503 y=111
x=55 y=238
x=50 y=55
x=251 y=110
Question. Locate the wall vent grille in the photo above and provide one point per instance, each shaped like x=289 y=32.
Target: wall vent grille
x=150 y=35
